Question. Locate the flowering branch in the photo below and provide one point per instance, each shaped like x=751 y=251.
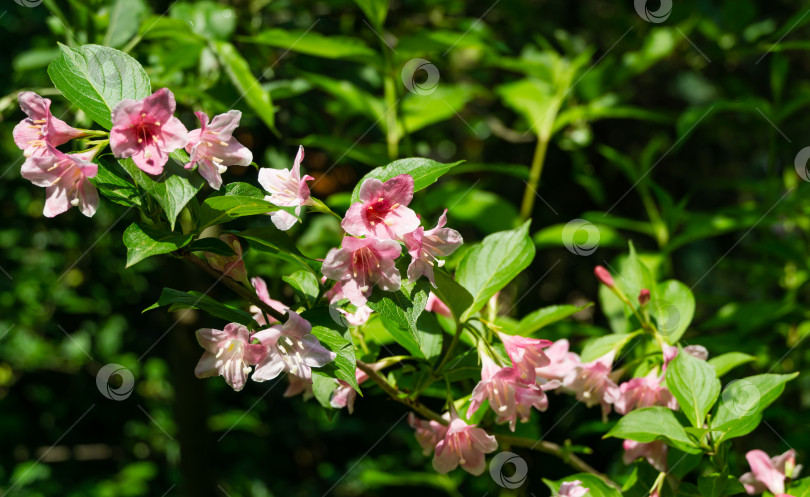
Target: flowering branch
x=398 y=395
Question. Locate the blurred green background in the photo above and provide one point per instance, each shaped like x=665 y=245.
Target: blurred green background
x=677 y=133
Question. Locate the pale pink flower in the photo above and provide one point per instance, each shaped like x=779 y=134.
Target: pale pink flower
x=299 y=386
x=697 y=351
x=357 y=318
x=212 y=148
x=654 y=452
x=526 y=353
x=287 y=189
x=592 y=384
x=360 y=264
x=40 y=129
x=345 y=395
x=425 y=248
x=147 y=131
x=228 y=353
x=383 y=209
x=769 y=473
x=572 y=489
x=510 y=395
x=261 y=291
x=561 y=361
x=644 y=392
x=291 y=348
x=65 y=178
x=231 y=266
x=428 y=433
x=434 y=304
x=464 y=445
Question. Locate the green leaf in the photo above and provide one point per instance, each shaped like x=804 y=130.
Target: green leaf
x=172 y=190
x=694 y=384
x=400 y=311
x=211 y=244
x=719 y=485
x=799 y=488
x=375 y=10
x=322 y=386
x=114 y=183
x=312 y=43
x=125 y=18
x=425 y=172
x=306 y=284
x=430 y=335
x=330 y=334
x=673 y=308
x=278 y=244
x=740 y=409
x=653 y=423
x=240 y=189
x=207 y=19
x=443 y=102
x=245 y=83
x=546 y=316
x=96 y=78
x=724 y=363
x=561 y=235
x=196 y=300
x=455 y=296
x=600 y=346
x=143 y=241
x=492 y=264
x=595 y=485
x=221 y=209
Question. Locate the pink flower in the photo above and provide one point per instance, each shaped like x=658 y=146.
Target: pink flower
x=291 y=348
x=345 y=395
x=697 y=351
x=510 y=395
x=357 y=318
x=299 y=386
x=603 y=275
x=464 y=445
x=428 y=433
x=592 y=384
x=425 y=248
x=228 y=353
x=213 y=148
x=361 y=263
x=287 y=189
x=526 y=353
x=147 y=131
x=434 y=304
x=769 y=473
x=40 y=128
x=65 y=178
x=561 y=361
x=383 y=209
x=572 y=489
x=644 y=392
x=261 y=291
x=654 y=452
x=231 y=266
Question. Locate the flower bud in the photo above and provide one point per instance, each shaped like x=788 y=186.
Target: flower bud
x=644 y=297
x=603 y=276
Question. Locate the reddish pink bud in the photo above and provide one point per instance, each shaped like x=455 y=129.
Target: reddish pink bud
x=604 y=276
x=644 y=297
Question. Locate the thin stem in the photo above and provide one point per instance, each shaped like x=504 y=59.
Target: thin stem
x=395 y=394
x=233 y=285
x=556 y=450
x=534 y=177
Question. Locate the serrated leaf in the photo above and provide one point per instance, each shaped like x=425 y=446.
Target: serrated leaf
x=196 y=300
x=694 y=384
x=96 y=78
x=305 y=283
x=492 y=264
x=400 y=311
x=455 y=296
x=278 y=244
x=719 y=485
x=144 y=241
x=221 y=209
x=653 y=423
x=212 y=245
x=322 y=387
x=425 y=172
x=114 y=183
x=330 y=333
